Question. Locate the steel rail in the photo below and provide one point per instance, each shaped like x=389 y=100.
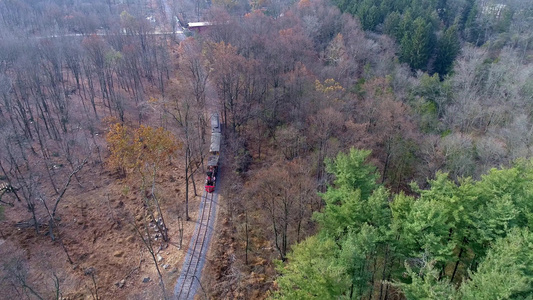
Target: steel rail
x=197 y=249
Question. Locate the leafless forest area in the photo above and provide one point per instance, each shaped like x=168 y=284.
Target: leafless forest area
x=104 y=132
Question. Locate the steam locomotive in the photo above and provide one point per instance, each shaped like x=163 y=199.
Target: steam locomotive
x=214 y=151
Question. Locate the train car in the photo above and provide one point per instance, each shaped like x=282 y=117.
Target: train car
x=212 y=170
x=214 y=150
x=215 y=143
x=215 y=123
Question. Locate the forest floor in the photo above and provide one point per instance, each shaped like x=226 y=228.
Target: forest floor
x=96 y=227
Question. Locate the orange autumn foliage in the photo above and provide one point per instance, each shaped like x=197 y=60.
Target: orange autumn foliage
x=138 y=149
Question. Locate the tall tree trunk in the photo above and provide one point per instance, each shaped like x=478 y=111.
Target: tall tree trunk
x=387 y=161
x=187 y=218
x=457 y=263
x=383 y=274
x=247 y=237
x=160 y=225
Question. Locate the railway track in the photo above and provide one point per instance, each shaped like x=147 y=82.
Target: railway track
x=191 y=271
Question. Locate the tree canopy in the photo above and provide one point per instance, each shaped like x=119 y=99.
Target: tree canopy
x=464 y=239
x=139 y=149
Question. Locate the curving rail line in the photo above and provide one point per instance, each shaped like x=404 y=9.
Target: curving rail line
x=191 y=271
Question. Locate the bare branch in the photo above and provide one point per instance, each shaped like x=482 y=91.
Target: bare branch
x=66 y=186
